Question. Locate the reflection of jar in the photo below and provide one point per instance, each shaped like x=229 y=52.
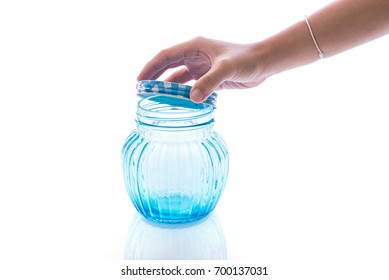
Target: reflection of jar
x=200 y=240
x=175 y=166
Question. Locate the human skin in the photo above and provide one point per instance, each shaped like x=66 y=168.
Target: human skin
x=337 y=27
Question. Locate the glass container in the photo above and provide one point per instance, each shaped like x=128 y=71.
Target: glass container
x=175 y=165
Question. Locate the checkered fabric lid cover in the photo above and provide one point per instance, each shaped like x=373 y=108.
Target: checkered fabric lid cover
x=146 y=88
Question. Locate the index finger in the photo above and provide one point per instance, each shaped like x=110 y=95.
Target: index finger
x=168 y=58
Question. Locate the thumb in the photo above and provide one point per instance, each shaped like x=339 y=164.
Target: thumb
x=207 y=84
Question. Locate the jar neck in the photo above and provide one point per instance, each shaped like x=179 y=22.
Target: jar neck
x=164 y=128
x=169 y=113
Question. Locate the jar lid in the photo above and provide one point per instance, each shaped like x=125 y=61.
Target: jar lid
x=146 y=88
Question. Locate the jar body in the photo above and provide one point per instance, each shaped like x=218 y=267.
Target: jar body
x=175 y=175
x=175 y=165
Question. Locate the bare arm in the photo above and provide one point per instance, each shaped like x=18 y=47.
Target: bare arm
x=339 y=26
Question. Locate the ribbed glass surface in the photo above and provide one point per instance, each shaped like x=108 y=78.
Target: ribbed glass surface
x=175 y=166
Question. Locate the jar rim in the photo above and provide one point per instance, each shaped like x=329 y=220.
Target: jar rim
x=164 y=110
x=169 y=107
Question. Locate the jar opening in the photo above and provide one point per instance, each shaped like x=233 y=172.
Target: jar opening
x=168 y=111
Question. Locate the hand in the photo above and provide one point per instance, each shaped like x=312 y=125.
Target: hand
x=217 y=65
x=214 y=64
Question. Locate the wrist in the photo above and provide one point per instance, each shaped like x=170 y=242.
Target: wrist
x=290 y=48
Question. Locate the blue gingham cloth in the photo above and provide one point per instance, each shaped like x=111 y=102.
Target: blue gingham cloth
x=147 y=88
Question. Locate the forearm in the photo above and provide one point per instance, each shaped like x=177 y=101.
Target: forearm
x=342 y=25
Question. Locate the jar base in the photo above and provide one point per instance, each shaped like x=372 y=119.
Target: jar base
x=174 y=220
x=174 y=209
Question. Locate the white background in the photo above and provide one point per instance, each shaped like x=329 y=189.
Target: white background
x=307 y=190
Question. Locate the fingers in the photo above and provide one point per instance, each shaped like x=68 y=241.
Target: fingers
x=165 y=59
x=204 y=87
x=202 y=60
x=180 y=76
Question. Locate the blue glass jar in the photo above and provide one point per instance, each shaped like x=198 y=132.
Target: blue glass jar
x=175 y=165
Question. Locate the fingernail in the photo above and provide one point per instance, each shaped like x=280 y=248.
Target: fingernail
x=196 y=96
